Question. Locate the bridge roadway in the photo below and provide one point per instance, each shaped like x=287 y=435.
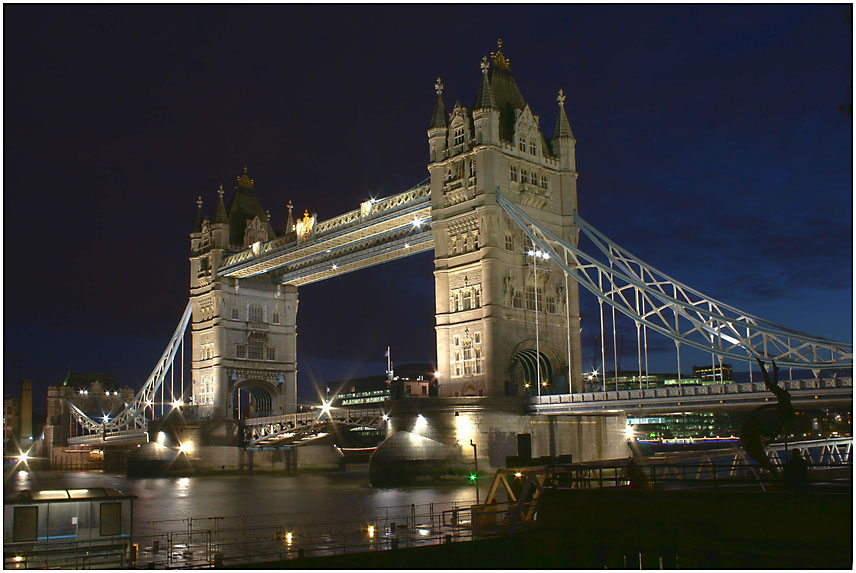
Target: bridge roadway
x=290 y=429
x=821 y=393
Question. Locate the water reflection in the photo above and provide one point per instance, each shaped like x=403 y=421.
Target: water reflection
x=311 y=497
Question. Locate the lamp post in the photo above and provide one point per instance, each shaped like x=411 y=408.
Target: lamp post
x=476 y=475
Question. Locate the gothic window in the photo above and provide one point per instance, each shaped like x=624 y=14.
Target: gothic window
x=456 y=340
x=477 y=338
x=527 y=244
x=479 y=360
x=524 y=176
x=530 y=299
x=466 y=298
x=516 y=299
x=234 y=313
x=256 y=313
x=241 y=351
x=532 y=146
x=459 y=135
x=509 y=242
x=271 y=353
x=551 y=305
x=522 y=144
x=513 y=172
x=473 y=170
x=475 y=240
x=544 y=181
x=276 y=318
x=256 y=350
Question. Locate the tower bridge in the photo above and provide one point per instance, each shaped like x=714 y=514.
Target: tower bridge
x=499 y=212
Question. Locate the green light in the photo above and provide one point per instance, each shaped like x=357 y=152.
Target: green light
x=473 y=478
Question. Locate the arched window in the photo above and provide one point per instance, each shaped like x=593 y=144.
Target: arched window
x=256 y=313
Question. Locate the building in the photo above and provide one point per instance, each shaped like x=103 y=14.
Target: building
x=710 y=374
x=11 y=419
x=99 y=395
x=414 y=381
x=18 y=416
x=243 y=330
x=492 y=286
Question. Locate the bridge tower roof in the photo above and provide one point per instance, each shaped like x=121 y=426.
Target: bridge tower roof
x=243 y=206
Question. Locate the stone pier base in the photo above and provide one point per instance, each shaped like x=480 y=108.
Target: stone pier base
x=431 y=438
x=184 y=447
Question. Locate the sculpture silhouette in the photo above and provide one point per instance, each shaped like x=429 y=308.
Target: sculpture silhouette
x=767 y=421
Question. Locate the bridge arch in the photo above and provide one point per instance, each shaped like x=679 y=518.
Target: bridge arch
x=522 y=371
x=260 y=398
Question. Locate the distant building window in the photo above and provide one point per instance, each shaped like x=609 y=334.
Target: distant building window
x=459 y=135
x=551 y=305
x=475 y=240
x=234 y=313
x=276 y=318
x=527 y=244
x=256 y=350
x=544 y=181
x=522 y=144
x=532 y=146
x=256 y=313
x=509 y=242
x=513 y=172
x=271 y=353
x=241 y=351
x=524 y=176
x=516 y=299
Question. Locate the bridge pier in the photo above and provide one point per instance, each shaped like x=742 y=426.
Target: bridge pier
x=431 y=438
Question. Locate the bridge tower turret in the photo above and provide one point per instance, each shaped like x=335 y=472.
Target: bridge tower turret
x=487 y=284
x=244 y=330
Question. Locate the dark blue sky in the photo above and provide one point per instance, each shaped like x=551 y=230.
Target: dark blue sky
x=709 y=142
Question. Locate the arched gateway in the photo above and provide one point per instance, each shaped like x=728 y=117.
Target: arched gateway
x=497 y=300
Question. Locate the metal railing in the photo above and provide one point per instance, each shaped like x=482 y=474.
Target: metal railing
x=241 y=539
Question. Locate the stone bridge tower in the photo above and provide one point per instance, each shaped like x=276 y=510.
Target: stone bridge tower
x=243 y=330
x=485 y=278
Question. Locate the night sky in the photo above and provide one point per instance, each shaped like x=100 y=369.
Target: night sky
x=710 y=142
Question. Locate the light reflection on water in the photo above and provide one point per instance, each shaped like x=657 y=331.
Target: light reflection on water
x=316 y=496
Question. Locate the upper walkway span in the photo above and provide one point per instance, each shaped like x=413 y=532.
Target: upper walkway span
x=378 y=232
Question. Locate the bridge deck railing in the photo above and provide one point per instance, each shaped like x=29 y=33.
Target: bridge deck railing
x=674 y=391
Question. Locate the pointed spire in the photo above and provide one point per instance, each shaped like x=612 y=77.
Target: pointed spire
x=197 y=227
x=221 y=217
x=563 y=126
x=289 y=224
x=485 y=99
x=439 y=117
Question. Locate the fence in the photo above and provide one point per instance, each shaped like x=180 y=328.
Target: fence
x=233 y=540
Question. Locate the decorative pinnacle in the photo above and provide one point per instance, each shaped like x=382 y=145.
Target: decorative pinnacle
x=268 y=215
x=561 y=98
x=220 y=191
x=289 y=206
x=485 y=65
x=438 y=86
x=498 y=58
x=199 y=201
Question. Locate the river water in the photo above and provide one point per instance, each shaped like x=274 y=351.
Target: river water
x=312 y=497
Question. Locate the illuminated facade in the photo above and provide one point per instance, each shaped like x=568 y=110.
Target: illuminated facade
x=243 y=330
x=491 y=286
